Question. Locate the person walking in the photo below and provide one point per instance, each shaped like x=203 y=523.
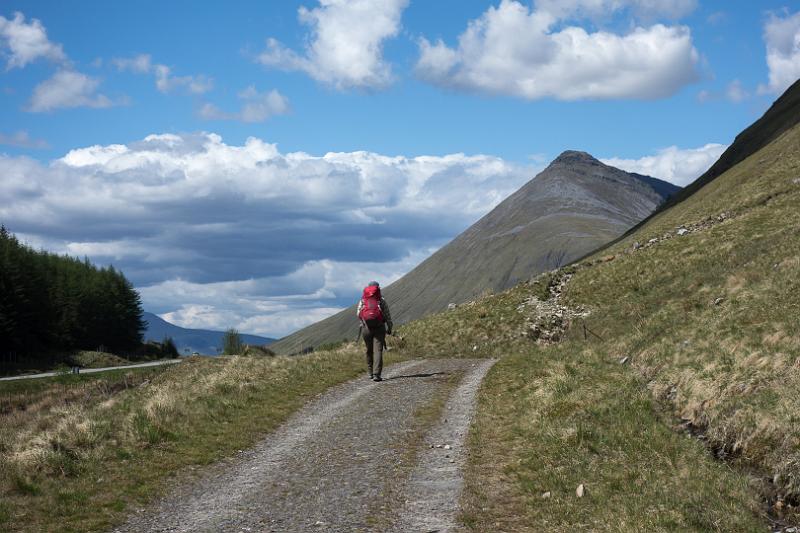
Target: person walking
x=376 y=320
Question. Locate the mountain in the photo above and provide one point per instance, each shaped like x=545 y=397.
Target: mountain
x=571 y=208
x=203 y=341
x=684 y=347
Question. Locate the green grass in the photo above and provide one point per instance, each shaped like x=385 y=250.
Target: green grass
x=77 y=453
x=550 y=418
x=553 y=419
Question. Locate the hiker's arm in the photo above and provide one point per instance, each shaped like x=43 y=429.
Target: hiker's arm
x=387 y=315
x=358 y=309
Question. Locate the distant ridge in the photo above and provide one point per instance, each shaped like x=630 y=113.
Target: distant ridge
x=574 y=206
x=783 y=115
x=202 y=341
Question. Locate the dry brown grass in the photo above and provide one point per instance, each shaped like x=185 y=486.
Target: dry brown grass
x=75 y=452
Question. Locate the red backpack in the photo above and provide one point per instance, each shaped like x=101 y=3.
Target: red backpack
x=371 y=312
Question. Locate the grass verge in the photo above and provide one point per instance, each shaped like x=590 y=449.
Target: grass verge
x=553 y=419
x=76 y=456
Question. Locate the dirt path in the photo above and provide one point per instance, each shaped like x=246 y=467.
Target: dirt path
x=358 y=458
x=95 y=370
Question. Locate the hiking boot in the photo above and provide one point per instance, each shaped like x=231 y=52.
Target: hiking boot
x=371 y=376
x=377 y=378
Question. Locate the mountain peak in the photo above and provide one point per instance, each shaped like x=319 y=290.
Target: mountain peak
x=574 y=156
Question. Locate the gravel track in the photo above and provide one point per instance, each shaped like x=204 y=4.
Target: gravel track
x=357 y=458
x=435 y=484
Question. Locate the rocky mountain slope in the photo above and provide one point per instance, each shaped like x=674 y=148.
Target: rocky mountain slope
x=571 y=208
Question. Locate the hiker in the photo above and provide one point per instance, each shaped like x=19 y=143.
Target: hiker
x=376 y=321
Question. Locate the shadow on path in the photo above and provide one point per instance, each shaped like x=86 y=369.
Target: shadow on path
x=410 y=376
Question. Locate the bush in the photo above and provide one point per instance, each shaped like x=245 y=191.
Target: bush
x=232 y=343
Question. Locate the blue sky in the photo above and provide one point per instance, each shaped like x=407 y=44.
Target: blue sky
x=186 y=142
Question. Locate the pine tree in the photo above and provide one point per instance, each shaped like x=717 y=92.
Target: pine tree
x=168 y=347
x=56 y=303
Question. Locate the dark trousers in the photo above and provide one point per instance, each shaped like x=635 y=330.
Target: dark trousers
x=375 y=339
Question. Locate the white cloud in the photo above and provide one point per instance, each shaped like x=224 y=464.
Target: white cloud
x=22 y=139
x=27 y=42
x=735 y=92
x=165 y=81
x=674 y=9
x=256 y=107
x=345 y=48
x=675 y=165
x=782 y=36
x=253 y=306
x=255 y=237
x=512 y=50
x=65 y=89
x=140 y=64
x=706 y=96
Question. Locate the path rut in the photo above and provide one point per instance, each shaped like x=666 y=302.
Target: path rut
x=358 y=458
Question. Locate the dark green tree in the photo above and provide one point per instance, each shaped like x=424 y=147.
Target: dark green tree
x=52 y=303
x=168 y=348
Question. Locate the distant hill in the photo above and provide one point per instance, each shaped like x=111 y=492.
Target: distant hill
x=571 y=208
x=203 y=341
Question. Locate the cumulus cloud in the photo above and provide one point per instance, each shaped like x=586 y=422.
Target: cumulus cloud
x=165 y=81
x=22 y=139
x=782 y=36
x=345 y=45
x=675 y=165
x=25 y=42
x=273 y=306
x=256 y=107
x=65 y=89
x=513 y=50
x=254 y=236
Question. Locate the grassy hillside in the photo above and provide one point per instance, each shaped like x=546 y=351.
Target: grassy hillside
x=567 y=211
x=677 y=408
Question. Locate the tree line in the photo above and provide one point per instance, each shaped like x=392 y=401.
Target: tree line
x=50 y=302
